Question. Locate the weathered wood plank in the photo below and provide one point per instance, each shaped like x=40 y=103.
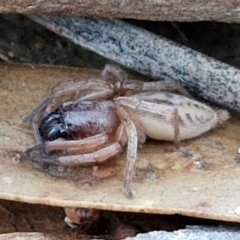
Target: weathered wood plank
x=162 y=10
x=166 y=183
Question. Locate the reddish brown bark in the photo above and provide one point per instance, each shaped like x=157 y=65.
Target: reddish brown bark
x=167 y=10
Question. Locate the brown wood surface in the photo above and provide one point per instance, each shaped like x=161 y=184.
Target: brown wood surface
x=163 y=10
x=166 y=182
x=40 y=236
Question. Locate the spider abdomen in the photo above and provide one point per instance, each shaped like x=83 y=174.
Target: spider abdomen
x=160 y=114
x=79 y=120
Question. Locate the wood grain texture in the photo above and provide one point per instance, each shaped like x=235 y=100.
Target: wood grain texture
x=40 y=236
x=166 y=183
x=161 y=10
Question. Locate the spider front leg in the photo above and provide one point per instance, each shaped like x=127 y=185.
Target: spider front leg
x=126 y=86
x=72 y=90
x=132 y=146
x=131 y=156
x=38 y=154
x=40 y=151
x=114 y=70
x=83 y=159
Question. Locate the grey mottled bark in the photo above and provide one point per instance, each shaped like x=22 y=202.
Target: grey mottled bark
x=152 y=55
x=193 y=233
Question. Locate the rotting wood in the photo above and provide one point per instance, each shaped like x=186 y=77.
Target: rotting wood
x=152 y=55
x=161 y=10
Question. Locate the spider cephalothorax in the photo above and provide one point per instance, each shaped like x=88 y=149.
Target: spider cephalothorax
x=94 y=120
x=77 y=120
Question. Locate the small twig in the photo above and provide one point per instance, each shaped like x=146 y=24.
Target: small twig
x=4 y=57
x=180 y=32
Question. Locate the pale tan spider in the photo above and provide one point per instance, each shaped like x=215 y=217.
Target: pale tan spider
x=92 y=121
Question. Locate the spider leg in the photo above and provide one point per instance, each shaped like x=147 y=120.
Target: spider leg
x=81 y=159
x=35 y=128
x=167 y=85
x=71 y=90
x=98 y=156
x=132 y=135
x=175 y=124
x=84 y=145
x=136 y=86
x=115 y=70
x=131 y=156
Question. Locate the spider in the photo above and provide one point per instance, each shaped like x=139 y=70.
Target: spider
x=91 y=121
